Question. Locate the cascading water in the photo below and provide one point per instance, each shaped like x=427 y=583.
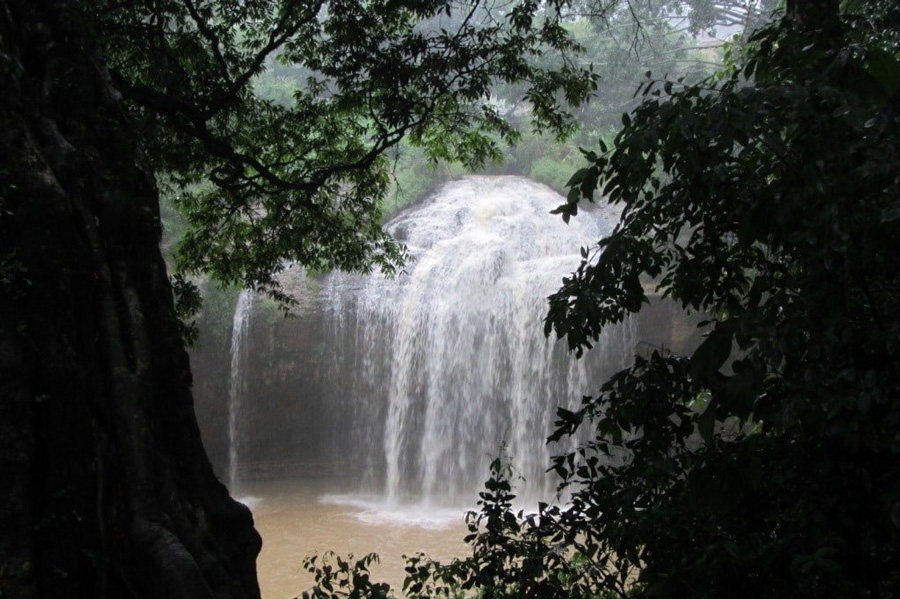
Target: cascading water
x=383 y=401
x=438 y=368
x=237 y=389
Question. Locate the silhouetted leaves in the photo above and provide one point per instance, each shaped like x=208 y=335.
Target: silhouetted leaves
x=764 y=197
x=266 y=184
x=767 y=463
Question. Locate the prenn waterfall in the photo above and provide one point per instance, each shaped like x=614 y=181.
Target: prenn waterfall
x=424 y=377
x=367 y=422
x=449 y=360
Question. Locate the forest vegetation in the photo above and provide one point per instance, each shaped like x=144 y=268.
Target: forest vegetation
x=765 y=463
x=107 y=488
x=765 y=195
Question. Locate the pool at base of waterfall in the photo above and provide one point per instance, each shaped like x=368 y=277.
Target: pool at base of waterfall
x=298 y=518
x=395 y=394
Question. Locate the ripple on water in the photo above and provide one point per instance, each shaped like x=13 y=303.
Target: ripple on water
x=376 y=511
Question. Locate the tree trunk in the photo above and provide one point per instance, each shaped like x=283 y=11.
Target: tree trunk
x=106 y=489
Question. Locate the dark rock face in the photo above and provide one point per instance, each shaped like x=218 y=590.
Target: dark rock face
x=404 y=387
x=107 y=491
x=288 y=391
x=297 y=415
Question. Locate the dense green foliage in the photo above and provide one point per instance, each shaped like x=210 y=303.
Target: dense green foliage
x=620 y=47
x=766 y=464
x=616 y=47
x=767 y=197
x=302 y=180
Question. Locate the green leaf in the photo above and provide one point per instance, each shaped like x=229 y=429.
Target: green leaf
x=577 y=178
x=709 y=357
x=706 y=423
x=885 y=68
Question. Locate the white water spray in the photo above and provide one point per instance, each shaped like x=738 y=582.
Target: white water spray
x=448 y=362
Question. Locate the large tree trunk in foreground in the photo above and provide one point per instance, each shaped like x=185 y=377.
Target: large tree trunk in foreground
x=106 y=490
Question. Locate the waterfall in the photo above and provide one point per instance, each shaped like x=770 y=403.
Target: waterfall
x=437 y=369
x=237 y=388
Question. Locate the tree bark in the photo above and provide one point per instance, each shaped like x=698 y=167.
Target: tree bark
x=107 y=491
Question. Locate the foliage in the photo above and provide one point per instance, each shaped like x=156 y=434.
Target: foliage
x=766 y=463
x=219 y=302
x=187 y=303
x=552 y=171
x=343 y=578
x=504 y=558
x=511 y=554
x=303 y=181
x=616 y=47
x=624 y=45
x=768 y=197
x=415 y=176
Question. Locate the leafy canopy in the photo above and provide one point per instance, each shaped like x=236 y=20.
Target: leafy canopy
x=303 y=181
x=768 y=198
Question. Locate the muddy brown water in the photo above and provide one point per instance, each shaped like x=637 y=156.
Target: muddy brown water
x=297 y=518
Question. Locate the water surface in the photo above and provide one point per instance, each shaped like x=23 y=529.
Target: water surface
x=300 y=517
